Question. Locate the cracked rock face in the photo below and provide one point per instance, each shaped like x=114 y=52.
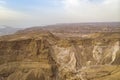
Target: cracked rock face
x=44 y=56
x=77 y=58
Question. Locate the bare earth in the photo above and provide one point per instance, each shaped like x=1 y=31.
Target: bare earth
x=80 y=51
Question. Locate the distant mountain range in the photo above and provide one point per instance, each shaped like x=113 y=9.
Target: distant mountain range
x=75 y=29
x=6 y=30
x=78 y=27
x=62 y=52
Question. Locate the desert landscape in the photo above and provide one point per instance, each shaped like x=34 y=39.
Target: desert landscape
x=59 y=39
x=72 y=51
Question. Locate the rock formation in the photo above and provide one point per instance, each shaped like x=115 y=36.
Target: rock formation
x=41 y=55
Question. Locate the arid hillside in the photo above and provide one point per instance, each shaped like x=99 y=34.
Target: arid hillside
x=75 y=29
x=49 y=53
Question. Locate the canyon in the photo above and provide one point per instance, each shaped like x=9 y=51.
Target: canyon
x=61 y=53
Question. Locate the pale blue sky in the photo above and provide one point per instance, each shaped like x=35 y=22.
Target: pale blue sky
x=25 y=13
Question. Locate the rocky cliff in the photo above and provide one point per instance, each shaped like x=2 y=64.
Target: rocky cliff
x=26 y=58
x=76 y=56
x=44 y=56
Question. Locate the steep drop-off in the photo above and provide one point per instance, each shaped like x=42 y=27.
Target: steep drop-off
x=43 y=56
x=26 y=59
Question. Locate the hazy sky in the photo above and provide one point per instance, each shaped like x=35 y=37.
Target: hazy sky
x=24 y=13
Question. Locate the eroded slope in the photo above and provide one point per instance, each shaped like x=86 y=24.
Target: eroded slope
x=43 y=56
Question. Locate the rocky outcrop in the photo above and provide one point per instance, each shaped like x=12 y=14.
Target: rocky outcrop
x=42 y=56
x=88 y=53
x=26 y=59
